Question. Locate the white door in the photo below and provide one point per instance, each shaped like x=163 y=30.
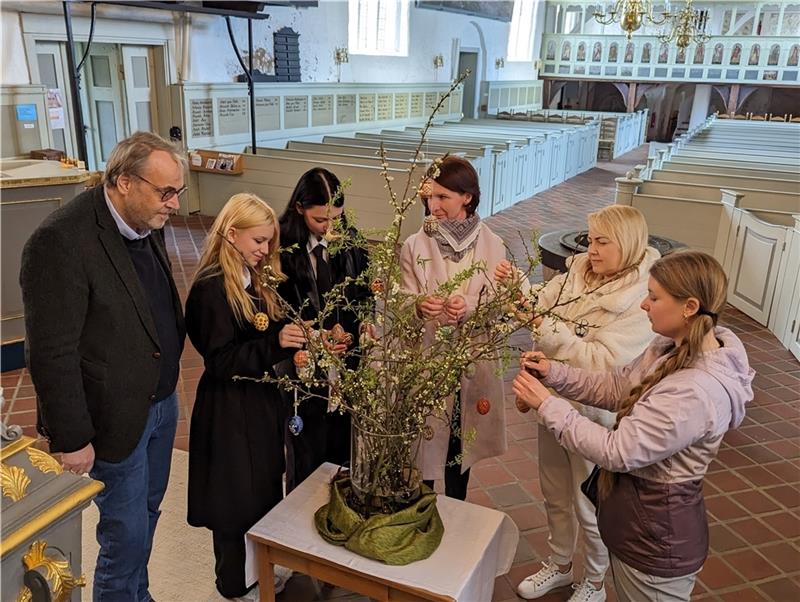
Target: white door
x=52 y=69
x=140 y=99
x=104 y=102
x=754 y=270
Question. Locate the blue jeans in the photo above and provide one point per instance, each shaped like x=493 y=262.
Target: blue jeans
x=129 y=508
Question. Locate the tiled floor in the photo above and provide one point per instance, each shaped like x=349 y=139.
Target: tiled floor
x=752 y=490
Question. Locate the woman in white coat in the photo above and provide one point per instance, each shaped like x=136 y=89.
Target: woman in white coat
x=460 y=240
x=604 y=327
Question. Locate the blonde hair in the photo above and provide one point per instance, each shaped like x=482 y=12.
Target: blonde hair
x=626 y=227
x=220 y=256
x=682 y=274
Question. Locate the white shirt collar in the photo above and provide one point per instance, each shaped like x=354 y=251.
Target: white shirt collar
x=313 y=241
x=122 y=226
x=247 y=279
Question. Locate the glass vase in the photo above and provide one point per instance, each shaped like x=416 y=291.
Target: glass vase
x=384 y=470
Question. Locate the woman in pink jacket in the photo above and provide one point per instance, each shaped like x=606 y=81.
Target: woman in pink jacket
x=674 y=403
x=428 y=259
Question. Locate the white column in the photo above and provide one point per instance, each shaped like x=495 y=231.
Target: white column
x=702 y=99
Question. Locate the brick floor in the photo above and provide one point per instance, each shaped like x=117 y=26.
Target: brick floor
x=752 y=489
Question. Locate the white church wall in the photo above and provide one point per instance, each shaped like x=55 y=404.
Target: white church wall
x=324 y=28
x=14 y=70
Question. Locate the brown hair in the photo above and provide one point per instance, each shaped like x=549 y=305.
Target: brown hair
x=682 y=274
x=130 y=156
x=459 y=175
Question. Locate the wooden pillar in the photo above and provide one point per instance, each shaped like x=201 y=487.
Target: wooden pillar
x=733 y=99
x=630 y=103
x=547 y=86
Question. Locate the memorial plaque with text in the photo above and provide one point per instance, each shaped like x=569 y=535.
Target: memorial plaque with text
x=366 y=107
x=455 y=102
x=346 y=108
x=416 y=104
x=202 y=117
x=232 y=116
x=268 y=113
x=384 y=107
x=431 y=98
x=322 y=110
x=295 y=111
x=401 y=106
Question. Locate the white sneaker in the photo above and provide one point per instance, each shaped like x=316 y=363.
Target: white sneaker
x=546 y=580
x=586 y=592
x=282 y=575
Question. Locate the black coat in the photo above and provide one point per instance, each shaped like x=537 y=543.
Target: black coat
x=91 y=342
x=301 y=284
x=236 y=457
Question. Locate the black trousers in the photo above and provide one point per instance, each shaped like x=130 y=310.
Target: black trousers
x=229 y=553
x=325 y=438
x=455 y=483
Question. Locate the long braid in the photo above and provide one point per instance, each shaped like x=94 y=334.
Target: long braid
x=677 y=271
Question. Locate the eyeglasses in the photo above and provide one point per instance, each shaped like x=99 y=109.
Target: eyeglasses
x=166 y=193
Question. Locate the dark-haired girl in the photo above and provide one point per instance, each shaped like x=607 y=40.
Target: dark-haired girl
x=311 y=271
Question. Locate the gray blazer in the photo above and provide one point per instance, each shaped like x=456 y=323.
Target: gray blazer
x=91 y=343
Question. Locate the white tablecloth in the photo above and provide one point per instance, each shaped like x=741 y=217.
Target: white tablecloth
x=478 y=544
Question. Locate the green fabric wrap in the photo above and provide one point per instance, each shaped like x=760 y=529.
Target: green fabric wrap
x=406 y=536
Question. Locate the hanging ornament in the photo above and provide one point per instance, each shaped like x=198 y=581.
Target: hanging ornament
x=522 y=406
x=303 y=366
x=295 y=422
x=483 y=406
x=427 y=432
x=581 y=328
x=301 y=358
x=261 y=321
x=295 y=425
x=377 y=286
x=430 y=225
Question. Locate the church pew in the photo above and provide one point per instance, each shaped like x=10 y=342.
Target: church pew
x=726 y=181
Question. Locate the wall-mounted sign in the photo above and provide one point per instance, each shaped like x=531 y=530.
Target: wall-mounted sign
x=26 y=112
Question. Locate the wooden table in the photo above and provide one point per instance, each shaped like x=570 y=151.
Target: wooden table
x=478 y=545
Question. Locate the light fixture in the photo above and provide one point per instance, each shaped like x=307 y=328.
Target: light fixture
x=631 y=15
x=499 y=63
x=687 y=25
x=340 y=56
x=438 y=63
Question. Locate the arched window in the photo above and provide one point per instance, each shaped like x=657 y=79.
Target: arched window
x=736 y=54
x=716 y=58
x=794 y=54
x=646 y=52
x=629 y=52
x=755 y=55
x=378 y=28
x=774 y=54
x=597 y=52
x=566 y=51
x=663 y=53
x=551 y=51
x=699 y=54
x=613 y=51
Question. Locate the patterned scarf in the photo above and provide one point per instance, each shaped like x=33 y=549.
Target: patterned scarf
x=456 y=237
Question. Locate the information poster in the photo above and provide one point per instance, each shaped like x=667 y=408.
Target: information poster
x=322 y=110
x=346 y=108
x=295 y=111
x=201 y=115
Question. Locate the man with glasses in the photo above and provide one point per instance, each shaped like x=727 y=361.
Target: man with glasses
x=104 y=335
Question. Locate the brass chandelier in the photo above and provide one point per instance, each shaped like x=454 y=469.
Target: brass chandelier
x=631 y=15
x=688 y=25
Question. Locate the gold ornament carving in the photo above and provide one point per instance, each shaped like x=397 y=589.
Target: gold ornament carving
x=57 y=572
x=44 y=461
x=24 y=595
x=14 y=482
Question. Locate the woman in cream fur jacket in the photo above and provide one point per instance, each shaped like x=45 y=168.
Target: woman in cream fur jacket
x=602 y=328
